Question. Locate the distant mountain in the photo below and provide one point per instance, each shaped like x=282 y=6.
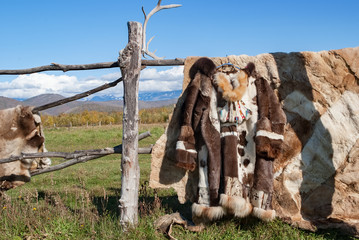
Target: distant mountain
x=48 y=98
x=159 y=96
x=106 y=103
x=8 y=102
x=143 y=96
x=42 y=99
x=104 y=98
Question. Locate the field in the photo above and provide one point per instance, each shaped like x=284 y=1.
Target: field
x=81 y=202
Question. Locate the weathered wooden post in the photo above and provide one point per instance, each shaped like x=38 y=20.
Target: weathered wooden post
x=130 y=64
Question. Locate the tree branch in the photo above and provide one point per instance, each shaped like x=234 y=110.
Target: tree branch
x=63 y=67
x=82 y=160
x=80 y=156
x=163 y=62
x=75 y=97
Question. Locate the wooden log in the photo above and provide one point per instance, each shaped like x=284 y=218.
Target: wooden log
x=91 y=66
x=130 y=64
x=61 y=67
x=163 y=62
x=76 y=97
x=82 y=160
x=78 y=154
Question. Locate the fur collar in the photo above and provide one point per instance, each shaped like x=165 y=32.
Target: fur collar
x=233 y=85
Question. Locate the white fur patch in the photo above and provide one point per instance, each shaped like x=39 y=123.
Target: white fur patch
x=265 y=215
x=210 y=213
x=238 y=206
x=270 y=135
x=180 y=145
x=37 y=118
x=203 y=185
x=45 y=162
x=213 y=115
x=203 y=170
x=225 y=134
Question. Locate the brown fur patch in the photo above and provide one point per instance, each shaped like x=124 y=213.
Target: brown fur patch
x=187 y=134
x=249 y=68
x=264 y=124
x=229 y=156
x=291 y=147
x=263 y=147
x=264 y=176
x=248 y=179
x=268 y=148
x=211 y=136
x=186 y=160
x=242 y=139
x=241 y=152
x=246 y=162
x=203 y=65
x=26 y=121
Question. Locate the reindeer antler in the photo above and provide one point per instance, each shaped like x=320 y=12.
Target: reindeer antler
x=144 y=45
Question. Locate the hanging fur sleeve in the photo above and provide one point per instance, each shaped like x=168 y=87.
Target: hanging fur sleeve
x=270 y=125
x=200 y=74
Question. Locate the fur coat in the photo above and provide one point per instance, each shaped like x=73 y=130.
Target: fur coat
x=231 y=132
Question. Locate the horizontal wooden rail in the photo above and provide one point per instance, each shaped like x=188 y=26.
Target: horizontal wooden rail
x=85 y=158
x=65 y=68
x=76 y=97
x=79 y=155
x=82 y=159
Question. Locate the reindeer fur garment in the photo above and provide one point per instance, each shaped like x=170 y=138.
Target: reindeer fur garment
x=231 y=131
x=20 y=132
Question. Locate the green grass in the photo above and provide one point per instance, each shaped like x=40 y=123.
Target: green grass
x=81 y=202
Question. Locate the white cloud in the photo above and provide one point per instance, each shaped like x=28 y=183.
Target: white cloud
x=26 y=86
x=166 y=80
x=172 y=74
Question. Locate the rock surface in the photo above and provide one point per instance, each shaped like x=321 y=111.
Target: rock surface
x=316 y=179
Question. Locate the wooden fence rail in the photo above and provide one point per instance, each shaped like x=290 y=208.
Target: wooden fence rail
x=65 y=68
x=79 y=156
x=76 y=97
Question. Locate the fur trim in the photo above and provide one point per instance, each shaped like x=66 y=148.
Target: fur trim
x=231 y=92
x=208 y=213
x=238 y=206
x=270 y=135
x=186 y=154
x=204 y=65
x=250 y=68
x=265 y=215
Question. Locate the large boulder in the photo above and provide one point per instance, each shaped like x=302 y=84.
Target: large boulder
x=316 y=179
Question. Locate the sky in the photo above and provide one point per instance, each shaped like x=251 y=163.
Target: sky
x=41 y=32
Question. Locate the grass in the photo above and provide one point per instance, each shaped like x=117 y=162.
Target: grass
x=81 y=202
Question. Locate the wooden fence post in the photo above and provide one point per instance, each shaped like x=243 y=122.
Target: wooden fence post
x=130 y=64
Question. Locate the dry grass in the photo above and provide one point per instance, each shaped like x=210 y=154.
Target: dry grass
x=81 y=202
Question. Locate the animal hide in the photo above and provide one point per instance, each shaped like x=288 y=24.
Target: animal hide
x=315 y=178
x=20 y=132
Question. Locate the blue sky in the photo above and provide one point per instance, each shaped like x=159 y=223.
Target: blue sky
x=39 y=32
